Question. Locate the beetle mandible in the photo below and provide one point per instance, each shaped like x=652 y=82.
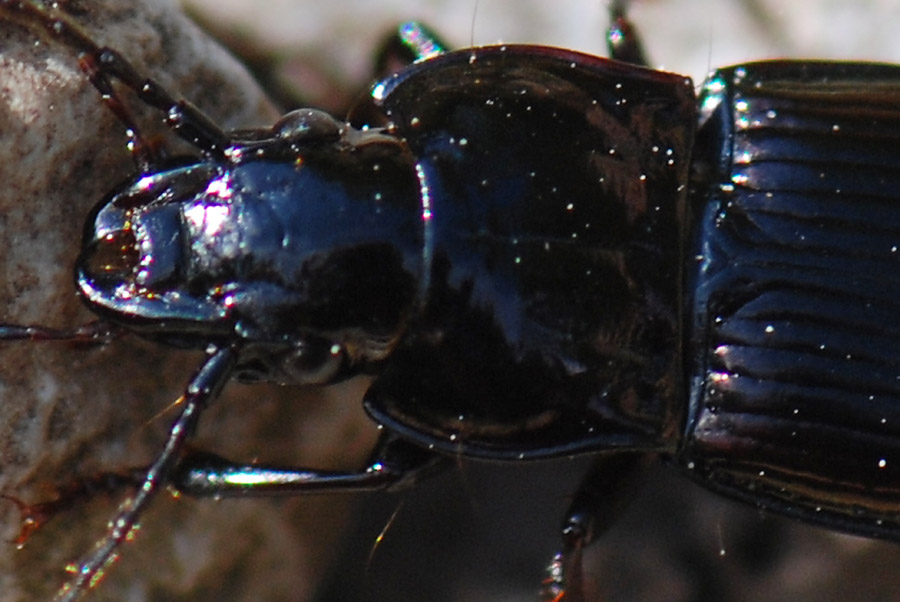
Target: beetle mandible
x=439 y=310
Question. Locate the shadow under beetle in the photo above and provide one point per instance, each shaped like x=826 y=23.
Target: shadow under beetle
x=536 y=253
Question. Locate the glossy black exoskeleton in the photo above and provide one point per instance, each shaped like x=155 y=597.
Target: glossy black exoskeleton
x=535 y=253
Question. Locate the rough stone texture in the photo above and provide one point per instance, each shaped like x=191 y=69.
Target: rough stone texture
x=75 y=410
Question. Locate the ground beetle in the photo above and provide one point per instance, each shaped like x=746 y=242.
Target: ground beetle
x=535 y=253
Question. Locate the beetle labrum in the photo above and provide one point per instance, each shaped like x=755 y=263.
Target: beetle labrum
x=517 y=306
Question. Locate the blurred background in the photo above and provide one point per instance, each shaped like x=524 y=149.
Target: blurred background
x=321 y=47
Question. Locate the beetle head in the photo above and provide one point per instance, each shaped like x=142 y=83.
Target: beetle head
x=304 y=249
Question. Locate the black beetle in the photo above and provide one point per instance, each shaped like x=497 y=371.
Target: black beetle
x=648 y=365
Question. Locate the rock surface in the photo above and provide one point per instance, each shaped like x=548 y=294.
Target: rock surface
x=70 y=411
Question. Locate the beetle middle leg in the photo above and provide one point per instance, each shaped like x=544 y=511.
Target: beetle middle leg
x=395 y=464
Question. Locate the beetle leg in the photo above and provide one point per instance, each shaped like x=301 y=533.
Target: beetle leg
x=203 y=387
x=186 y=120
x=395 y=464
x=622 y=39
x=603 y=493
x=102 y=65
x=412 y=41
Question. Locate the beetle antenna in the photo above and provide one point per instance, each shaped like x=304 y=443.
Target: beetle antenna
x=102 y=65
x=93 y=332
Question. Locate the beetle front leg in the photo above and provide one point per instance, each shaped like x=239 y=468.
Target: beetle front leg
x=394 y=465
x=603 y=494
x=204 y=386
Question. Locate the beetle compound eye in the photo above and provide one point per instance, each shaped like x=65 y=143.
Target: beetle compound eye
x=315 y=362
x=308 y=125
x=112 y=257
